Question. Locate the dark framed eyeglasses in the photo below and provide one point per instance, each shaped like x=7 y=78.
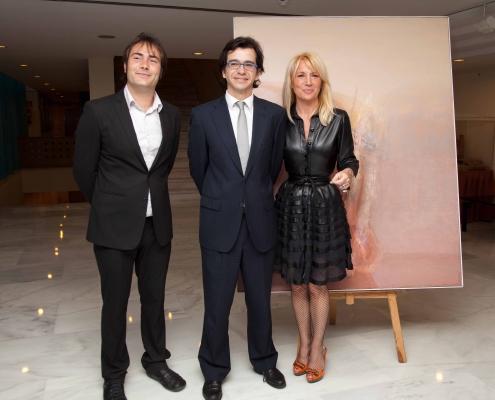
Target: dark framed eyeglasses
x=248 y=65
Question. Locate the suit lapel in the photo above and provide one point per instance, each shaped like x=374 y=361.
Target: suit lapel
x=125 y=118
x=259 y=128
x=223 y=123
x=165 y=132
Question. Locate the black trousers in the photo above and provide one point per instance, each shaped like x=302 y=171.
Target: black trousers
x=220 y=271
x=116 y=267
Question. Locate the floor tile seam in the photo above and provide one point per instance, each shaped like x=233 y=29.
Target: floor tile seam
x=32 y=265
x=80 y=330
x=385 y=314
x=20 y=297
x=23 y=247
x=346 y=338
x=27 y=280
x=56 y=335
x=77 y=311
x=480 y=298
x=474 y=272
x=15 y=385
x=489 y=381
x=37 y=336
x=449 y=310
x=406 y=382
x=477 y=378
x=469 y=325
x=468 y=363
x=40 y=289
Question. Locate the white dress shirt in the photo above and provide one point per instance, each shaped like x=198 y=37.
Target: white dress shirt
x=234 y=114
x=148 y=130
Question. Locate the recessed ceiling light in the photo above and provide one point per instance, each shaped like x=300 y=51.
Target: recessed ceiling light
x=37 y=76
x=52 y=89
x=459 y=60
x=23 y=65
x=61 y=96
x=3 y=47
x=198 y=53
x=46 y=84
x=106 y=36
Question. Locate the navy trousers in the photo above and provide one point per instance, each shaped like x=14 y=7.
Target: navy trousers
x=220 y=272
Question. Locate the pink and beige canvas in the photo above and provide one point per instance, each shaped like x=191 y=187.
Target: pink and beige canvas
x=393 y=77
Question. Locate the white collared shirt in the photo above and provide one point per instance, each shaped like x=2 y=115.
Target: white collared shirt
x=148 y=130
x=234 y=113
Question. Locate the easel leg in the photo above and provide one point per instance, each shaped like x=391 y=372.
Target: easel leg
x=394 y=314
x=333 y=312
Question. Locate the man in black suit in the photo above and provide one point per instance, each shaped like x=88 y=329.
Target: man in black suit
x=126 y=145
x=236 y=146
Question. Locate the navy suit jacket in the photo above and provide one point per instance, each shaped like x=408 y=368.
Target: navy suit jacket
x=216 y=169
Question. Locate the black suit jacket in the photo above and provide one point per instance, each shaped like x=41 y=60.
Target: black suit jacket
x=111 y=172
x=216 y=169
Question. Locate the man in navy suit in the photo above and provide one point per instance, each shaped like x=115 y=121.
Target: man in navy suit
x=236 y=146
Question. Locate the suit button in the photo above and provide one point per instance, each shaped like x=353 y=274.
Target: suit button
x=312 y=129
x=309 y=143
x=144 y=200
x=305 y=156
x=242 y=204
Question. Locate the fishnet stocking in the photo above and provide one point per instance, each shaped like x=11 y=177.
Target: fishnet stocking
x=319 y=307
x=300 y=304
x=311 y=307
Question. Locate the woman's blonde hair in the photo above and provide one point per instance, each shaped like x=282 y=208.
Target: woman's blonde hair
x=325 y=100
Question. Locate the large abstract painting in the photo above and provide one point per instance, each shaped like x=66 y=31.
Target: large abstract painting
x=393 y=77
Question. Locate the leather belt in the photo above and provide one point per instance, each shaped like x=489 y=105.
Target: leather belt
x=313 y=180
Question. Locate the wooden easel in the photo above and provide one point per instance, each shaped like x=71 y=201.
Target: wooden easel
x=394 y=312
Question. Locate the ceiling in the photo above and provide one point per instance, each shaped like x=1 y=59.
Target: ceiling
x=55 y=38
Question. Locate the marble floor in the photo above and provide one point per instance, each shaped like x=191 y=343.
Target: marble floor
x=50 y=311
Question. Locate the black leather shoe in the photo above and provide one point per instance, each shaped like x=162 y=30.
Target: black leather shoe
x=212 y=390
x=169 y=379
x=113 y=390
x=273 y=377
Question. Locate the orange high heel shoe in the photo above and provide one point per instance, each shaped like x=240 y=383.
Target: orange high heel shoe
x=298 y=367
x=313 y=375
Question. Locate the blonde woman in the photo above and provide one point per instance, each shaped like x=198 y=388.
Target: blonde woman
x=314 y=240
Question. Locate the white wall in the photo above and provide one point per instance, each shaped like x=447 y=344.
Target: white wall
x=101 y=77
x=474 y=100
x=34 y=128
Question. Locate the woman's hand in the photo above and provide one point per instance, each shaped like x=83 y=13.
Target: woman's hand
x=349 y=273
x=342 y=180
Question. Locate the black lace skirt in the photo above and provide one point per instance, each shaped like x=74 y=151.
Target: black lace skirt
x=314 y=240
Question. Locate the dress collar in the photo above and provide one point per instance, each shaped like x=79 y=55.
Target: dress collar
x=294 y=114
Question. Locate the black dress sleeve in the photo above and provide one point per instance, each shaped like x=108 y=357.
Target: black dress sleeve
x=347 y=159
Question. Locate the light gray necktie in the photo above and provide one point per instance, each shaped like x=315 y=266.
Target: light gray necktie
x=242 y=136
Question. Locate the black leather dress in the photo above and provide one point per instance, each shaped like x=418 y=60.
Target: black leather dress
x=314 y=237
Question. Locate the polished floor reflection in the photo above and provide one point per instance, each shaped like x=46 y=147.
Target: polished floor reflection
x=50 y=311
